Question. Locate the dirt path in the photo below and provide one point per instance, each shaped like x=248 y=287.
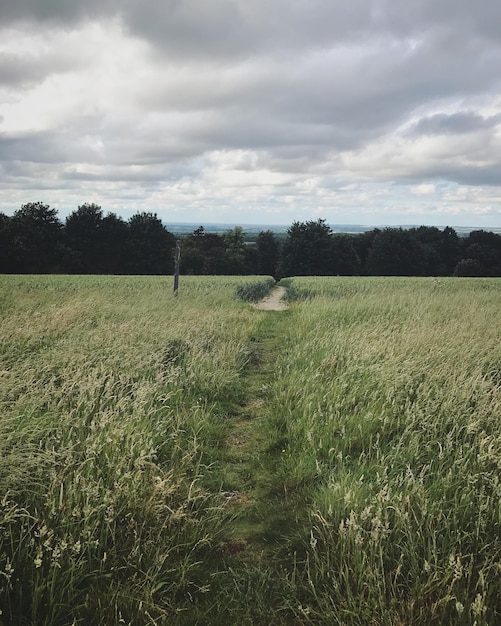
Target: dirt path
x=273 y=302
x=262 y=518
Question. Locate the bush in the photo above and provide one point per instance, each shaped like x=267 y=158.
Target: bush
x=252 y=292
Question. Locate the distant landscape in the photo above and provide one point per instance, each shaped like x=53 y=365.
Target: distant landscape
x=34 y=240
x=185 y=228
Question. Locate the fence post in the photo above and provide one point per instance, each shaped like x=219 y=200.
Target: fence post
x=176 y=270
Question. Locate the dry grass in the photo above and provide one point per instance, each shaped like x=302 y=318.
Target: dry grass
x=378 y=443
x=111 y=394
x=390 y=415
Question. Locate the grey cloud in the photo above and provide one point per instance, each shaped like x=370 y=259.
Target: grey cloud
x=346 y=96
x=151 y=176
x=25 y=70
x=57 y=11
x=411 y=19
x=31 y=147
x=49 y=147
x=226 y=28
x=456 y=123
x=229 y=29
x=295 y=83
x=488 y=175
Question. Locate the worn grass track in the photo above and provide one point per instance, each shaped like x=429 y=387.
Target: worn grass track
x=255 y=580
x=260 y=504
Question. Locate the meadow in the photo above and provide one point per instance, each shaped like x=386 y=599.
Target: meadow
x=193 y=460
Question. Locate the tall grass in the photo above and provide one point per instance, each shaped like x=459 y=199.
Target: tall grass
x=113 y=401
x=387 y=405
x=254 y=291
x=377 y=441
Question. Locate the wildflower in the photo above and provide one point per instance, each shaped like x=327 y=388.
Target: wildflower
x=456 y=566
x=313 y=540
x=109 y=514
x=478 y=607
x=38 y=559
x=351 y=522
x=9 y=570
x=365 y=514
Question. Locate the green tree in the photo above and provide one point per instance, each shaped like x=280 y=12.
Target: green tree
x=203 y=253
x=362 y=244
x=484 y=247
x=441 y=249
x=36 y=239
x=449 y=250
x=234 y=240
x=396 y=252
x=345 y=260
x=85 y=240
x=6 y=251
x=114 y=241
x=468 y=267
x=268 y=250
x=307 y=250
x=150 y=246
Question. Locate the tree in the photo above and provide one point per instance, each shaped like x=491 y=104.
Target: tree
x=468 y=267
x=449 y=250
x=396 y=252
x=345 y=260
x=6 y=251
x=114 y=241
x=203 y=253
x=150 y=246
x=268 y=249
x=36 y=237
x=362 y=244
x=441 y=249
x=234 y=241
x=85 y=241
x=484 y=248
x=307 y=250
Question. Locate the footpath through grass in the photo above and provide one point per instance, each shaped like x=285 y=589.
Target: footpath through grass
x=198 y=461
x=254 y=583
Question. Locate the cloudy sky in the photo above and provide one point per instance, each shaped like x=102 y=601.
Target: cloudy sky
x=254 y=111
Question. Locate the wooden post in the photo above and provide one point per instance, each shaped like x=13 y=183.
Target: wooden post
x=176 y=270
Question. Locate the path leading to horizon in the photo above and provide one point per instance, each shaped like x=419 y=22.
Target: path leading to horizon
x=274 y=301
x=263 y=516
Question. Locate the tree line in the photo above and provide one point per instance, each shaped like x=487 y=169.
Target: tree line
x=34 y=240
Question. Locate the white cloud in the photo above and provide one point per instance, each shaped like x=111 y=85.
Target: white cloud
x=424 y=189
x=354 y=110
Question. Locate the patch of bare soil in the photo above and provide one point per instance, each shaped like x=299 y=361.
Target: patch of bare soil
x=237 y=439
x=273 y=302
x=234 y=547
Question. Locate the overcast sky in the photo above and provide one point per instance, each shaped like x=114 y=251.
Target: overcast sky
x=254 y=111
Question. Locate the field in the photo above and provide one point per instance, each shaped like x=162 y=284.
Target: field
x=194 y=460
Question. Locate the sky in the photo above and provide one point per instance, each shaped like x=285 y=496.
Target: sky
x=373 y=112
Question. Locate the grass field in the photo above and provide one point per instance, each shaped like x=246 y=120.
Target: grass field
x=198 y=461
